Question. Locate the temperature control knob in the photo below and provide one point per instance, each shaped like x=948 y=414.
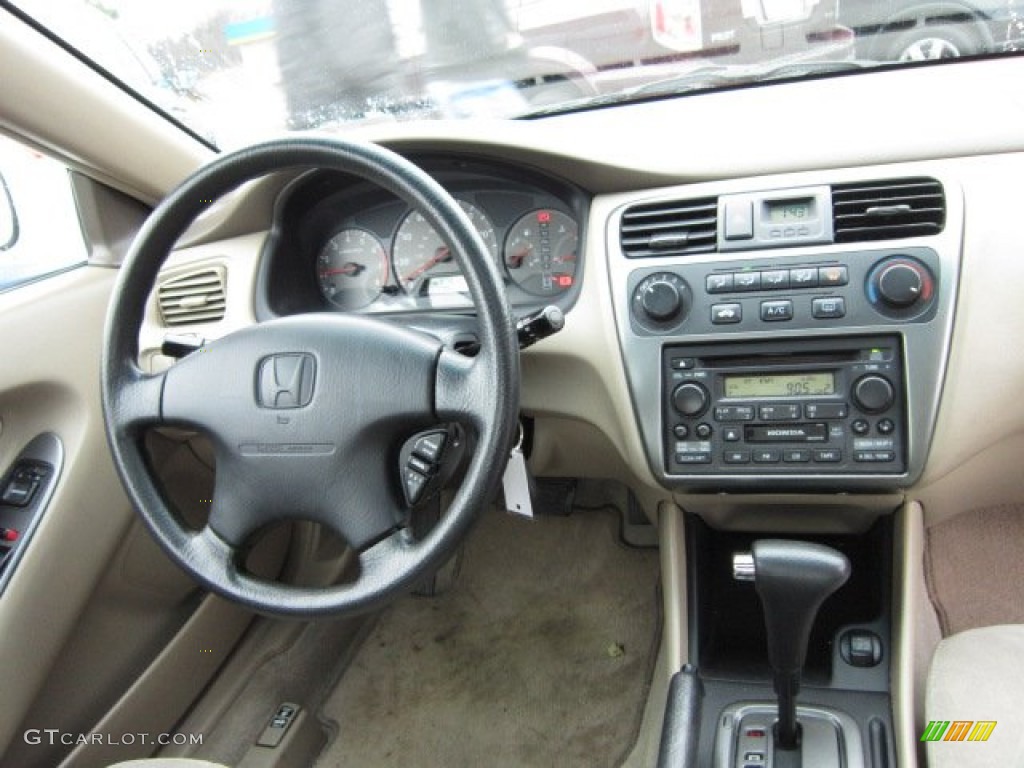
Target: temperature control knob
x=661 y=299
x=899 y=283
x=690 y=398
x=873 y=393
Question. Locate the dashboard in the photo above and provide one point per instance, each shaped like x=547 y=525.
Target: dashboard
x=603 y=394
x=340 y=244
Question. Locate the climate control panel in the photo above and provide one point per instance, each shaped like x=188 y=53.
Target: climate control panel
x=860 y=288
x=816 y=406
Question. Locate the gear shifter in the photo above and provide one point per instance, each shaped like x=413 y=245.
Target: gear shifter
x=792 y=578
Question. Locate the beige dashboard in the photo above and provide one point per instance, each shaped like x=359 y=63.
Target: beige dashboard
x=575 y=383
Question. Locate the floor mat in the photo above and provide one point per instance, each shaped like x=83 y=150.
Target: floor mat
x=540 y=655
x=974 y=569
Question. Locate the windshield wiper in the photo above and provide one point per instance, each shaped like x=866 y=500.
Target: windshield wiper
x=708 y=77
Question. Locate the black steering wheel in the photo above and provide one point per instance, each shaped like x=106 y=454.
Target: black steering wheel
x=307 y=414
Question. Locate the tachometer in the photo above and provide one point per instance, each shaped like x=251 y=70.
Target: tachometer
x=421 y=256
x=352 y=268
x=540 y=252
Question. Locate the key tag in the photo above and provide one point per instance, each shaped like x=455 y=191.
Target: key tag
x=516 y=481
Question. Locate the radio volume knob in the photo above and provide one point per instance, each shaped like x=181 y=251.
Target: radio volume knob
x=690 y=399
x=873 y=393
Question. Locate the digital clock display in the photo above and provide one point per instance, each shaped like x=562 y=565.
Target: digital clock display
x=790 y=211
x=781 y=385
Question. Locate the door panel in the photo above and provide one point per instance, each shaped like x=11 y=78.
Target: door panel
x=93 y=600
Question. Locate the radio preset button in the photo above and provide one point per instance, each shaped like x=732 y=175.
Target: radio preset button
x=737 y=457
x=719 y=283
x=828 y=456
x=734 y=413
x=828 y=308
x=796 y=456
x=746 y=281
x=787 y=412
x=825 y=410
x=803 y=277
x=829 y=276
x=775 y=311
x=731 y=434
x=726 y=314
x=767 y=456
x=690 y=399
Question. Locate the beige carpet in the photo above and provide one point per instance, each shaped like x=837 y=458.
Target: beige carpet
x=975 y=570
x=540 y=655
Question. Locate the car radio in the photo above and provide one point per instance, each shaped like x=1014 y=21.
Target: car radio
x=814 y=406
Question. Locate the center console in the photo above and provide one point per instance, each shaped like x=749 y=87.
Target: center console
x=783 y=345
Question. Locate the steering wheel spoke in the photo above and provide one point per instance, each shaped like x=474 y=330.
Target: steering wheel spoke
x=139 y=402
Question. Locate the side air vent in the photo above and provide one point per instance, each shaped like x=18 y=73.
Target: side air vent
x=679 y=227
x=195 y=297
x=882 y=210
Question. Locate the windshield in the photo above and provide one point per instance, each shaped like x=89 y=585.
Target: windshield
x=237 y=70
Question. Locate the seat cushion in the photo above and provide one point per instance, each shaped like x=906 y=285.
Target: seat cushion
x=977 y=675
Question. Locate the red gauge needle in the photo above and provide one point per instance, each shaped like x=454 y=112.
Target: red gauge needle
x=516 y=259
x=351 y=269
x=440 y=255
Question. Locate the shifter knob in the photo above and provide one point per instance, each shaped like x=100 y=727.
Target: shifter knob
x=792 y=578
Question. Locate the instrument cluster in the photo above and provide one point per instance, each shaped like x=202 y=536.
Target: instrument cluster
x=365 y=251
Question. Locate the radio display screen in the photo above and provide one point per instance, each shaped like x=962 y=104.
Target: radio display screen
x=781 y=384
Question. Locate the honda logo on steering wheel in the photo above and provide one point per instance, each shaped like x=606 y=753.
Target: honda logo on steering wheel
x=286 y=381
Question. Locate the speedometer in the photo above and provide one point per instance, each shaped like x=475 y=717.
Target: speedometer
x=352 y=268
x=421 y=256
x=540 y=252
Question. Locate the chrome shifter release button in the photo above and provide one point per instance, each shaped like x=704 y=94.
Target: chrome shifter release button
x=743 y=566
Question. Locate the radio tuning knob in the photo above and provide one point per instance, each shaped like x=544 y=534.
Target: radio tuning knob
x=690 y=398
x=873 y=393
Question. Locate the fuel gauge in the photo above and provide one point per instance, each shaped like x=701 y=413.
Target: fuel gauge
x=540 y=252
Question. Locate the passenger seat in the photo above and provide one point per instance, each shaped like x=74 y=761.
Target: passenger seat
x=977 y=675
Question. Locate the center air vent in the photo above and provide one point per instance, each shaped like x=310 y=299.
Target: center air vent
x=883 y=210
x=194 y=297
x=678 y=227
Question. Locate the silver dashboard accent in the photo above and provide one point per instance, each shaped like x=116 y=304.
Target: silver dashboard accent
x=831 y=738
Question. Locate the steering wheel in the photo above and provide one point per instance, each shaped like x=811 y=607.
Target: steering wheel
x=307 y=414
